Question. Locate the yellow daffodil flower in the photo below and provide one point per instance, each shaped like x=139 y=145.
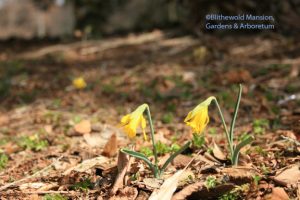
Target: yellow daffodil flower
x=131 y=121
x=79 y=83
x=198 y=118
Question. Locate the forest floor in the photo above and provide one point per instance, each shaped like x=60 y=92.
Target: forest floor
x=59 y=142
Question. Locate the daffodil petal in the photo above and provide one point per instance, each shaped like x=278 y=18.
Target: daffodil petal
x=125 y=120
x=132 y=121
x=198 y=118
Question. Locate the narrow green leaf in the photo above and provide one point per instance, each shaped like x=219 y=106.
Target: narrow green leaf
x=237 y=149
x=171 y=158
x=237 y=105
x=139 y=156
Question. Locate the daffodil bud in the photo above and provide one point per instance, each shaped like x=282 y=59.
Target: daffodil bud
x=132 y=121
x=198 y=118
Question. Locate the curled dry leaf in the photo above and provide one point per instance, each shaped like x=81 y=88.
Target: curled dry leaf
x=288 y=176
x=209 y=157
x=124 y=162
x=218 y=153
x=83 y=127
x=111 y=147
x=168 y=188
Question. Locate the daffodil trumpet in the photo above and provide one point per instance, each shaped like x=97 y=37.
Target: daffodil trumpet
x=136 y=119
x=198 y=119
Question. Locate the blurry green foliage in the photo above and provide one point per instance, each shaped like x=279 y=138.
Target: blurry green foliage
x=260 y=126
x=84 y=185
x=54 y=197
x=32 y=142
x=167 y=118
x=3 y=160
x=211 y=182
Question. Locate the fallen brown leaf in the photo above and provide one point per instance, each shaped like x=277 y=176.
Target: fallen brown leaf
x=111 y=147
x=288 y=176
x=124 y=162
x=34 y=197
x=199 y=191
x=83 y=127
x=152 y=183
x=239 y=175
x=100 y=161
x=168 y=188
x=181 y=161
x=188 y=190
x=236 y=76
x=277 y=194
x=218 y=153
x=127 y=193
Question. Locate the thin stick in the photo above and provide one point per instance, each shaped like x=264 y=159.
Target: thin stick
x=31 y=176
x=197 y=154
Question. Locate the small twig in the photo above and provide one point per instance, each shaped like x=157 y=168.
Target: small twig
x=31 y=176
x=197 y=154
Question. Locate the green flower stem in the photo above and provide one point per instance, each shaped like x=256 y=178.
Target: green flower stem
x=152 y=137
x=225 y=127
x=235 y=113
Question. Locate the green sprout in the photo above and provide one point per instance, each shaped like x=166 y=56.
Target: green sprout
x=211 y=182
